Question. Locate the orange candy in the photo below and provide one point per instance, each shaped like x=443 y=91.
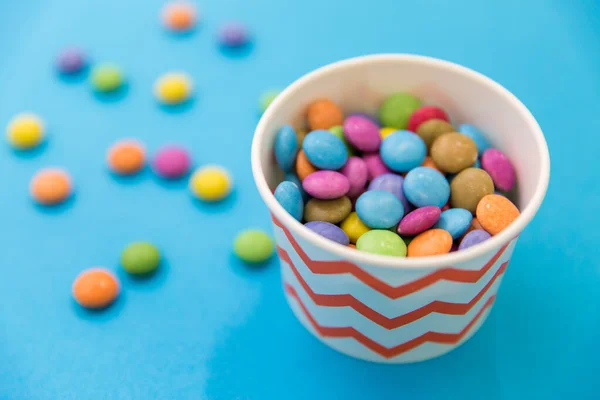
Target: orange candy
x=50 y=186
x=324 y=114
x=303 y=167
x=430 y=243
x=126 y=157
x=474 y=225
x=495 y=213
x=428 y=162
x=179 y=16
x=95 y=288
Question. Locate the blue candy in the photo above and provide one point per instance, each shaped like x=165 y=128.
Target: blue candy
x=290 y=198
x=455 y=220
x=324 y=150
x=290 y=176
x=479 y=138
x=286 y=147
x=402 y=151
x=379 y=209
x=476 y=164
x=329 y=231
x=391 y=183
x=425 y=186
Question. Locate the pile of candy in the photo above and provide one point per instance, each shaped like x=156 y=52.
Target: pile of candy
x=415 y=187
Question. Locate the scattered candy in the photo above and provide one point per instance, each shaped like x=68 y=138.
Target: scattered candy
x=430 y=243
x=394 y=184
x=324 y=150
x=453 y=152
x=303 y=166
x=495 y=213
x=286 y=148
x=140 y=258
x=501 y=170
x=357 y=174
x=354 y=227
x=50 y=186
x=428 y=162
x=95 y=288
x=403 y=151
x=126 y=157
x=397 y=109
x=426 y=187
x=324 y=114
x=424 y=114
x=179 y=16
x=419 y=220
x=455 y=221
x=233 y=34
x=267 y=98
x=25 y=131
x=173 y=88
x=326 y=185
x=375 y=165
x=468 y=187
x=480 y=140
x=333 y=211
x=379 y=209
x=289 y=196
x=338 y=131
x=295 y=180
x=362 y=133
x=329 y=231
x=107 y=78
x=386 y=131
x=171 y=162
x=253 y=246
x=211 y=183
x=432 y=129
x=71 y=61
x=472 y=238
x=382 y=242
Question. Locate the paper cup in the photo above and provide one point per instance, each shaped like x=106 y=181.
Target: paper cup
x=381 y=308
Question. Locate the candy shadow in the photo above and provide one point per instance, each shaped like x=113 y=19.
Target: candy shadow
x=132 y=179
x=28 y=154
x=101 y=314
x=180 y=107
x=235 y=52
x=222 y=206
x=173 y=34
x=57 y=209
x=146 y=282
x=113 y=96
x=77 y=77
x=171 y=184
x=247 y=270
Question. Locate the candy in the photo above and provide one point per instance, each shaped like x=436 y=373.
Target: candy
x=107 y=77
x=357 y=173
x=210 y=183
x=403 y=151
x=323 y=114
x=468 y=187
x=126 y=157
x=428 y=162
x=367 y=116
x=354 y=227
x=379 y=209
x=375 y=165
x=267 y=98
x=480 y=140
x=71 y=61
x=419 y=220
x=362 y=133
x=179 y=16
x=290 y=198
x=432 y=129
x=95 y=288
x=253 y=246
x=324 y=150
x=171 y=162
x=303 y=166
x=333 y=211
x=424 y=114
x=295 y=180
x=382 y=242
x=386 y=131
x=426 y=187
x=338 y=131
x=430 y=243
x=391 y=183
x=140 y=258
x=173 y=88
x=50 y=186
x=286 y=148
x=472 y=238
x=495 y=163
x=455 y=220
x=25 y=131
x=453 y=152
x=397 y=109
x=326 y=185
x=233 y=34
x=495 y=213
x=300 y=135
x=329 y=231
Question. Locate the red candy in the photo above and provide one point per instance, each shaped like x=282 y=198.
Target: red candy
x=426 y=113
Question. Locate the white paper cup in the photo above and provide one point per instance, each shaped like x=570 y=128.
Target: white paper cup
x=381 y=308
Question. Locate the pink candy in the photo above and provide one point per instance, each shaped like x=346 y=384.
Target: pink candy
x=326 y=184
x=375 y=165
x=171 y=162
x=357 y=173
x=426 y=113
x=495 y=163
x=419 y=220
x=362 y=133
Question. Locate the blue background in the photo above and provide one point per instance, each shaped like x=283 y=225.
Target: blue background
x=206 y=327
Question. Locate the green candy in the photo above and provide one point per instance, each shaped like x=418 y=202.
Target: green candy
x=253 y=246
x=338 y=131
x=140 y=258
x=107 y=77
x=397 y=109
x=382 y=242
x=267 y=98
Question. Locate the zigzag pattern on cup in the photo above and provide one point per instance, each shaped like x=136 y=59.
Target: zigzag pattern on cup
x=393 y=292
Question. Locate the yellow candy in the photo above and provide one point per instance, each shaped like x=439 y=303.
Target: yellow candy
x=354 y=227
x=25 y=131
x=386 y=131
x=173 y=88
x=210 y=183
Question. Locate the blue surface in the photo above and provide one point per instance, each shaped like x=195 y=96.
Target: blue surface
x=208 y=328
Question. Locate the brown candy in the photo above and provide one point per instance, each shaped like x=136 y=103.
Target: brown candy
x=324 y=114
x=333 y=211
x=453 y=152
x=468 y=187
x=432 y=129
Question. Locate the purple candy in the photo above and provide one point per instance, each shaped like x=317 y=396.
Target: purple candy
x=375 y=165
x=367 y=116
x=356 y=172
x=70 y=61
x=391 y=183
x=501 y=170
x=326 y=184
x=419 y=220
x=362 y=133
x=233 y=35
x=474 y=237
x=329 y=231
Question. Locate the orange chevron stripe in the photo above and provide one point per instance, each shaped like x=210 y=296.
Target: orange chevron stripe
x=347 y=300
x=394 y=292
x=386 y=352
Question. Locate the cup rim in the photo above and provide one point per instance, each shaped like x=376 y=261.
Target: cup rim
x=352 y=255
